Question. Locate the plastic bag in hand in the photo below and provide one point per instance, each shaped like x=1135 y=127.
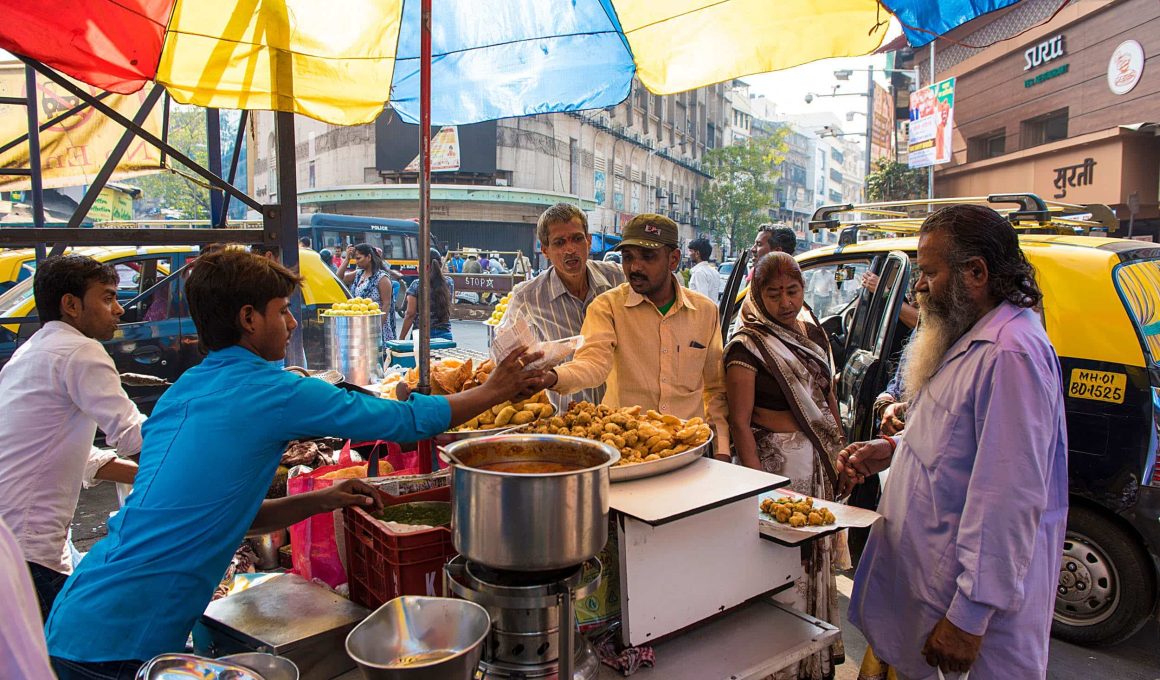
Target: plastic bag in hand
x=515 y=331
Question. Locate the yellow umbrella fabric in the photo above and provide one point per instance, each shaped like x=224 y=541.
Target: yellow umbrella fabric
x=679 y=45
x=333 y=61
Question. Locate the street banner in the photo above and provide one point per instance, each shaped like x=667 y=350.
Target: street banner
x=72 y=151
x=444 y=152
x=932 y=116
x=881 y=142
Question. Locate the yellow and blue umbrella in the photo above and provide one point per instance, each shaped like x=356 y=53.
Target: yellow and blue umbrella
x=341 y=61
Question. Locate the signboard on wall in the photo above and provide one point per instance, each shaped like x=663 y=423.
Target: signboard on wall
x=72 y=151
x=112 y=205
x=1126 y=67
x=880 y=142
x=932 y=117
x=600 y=187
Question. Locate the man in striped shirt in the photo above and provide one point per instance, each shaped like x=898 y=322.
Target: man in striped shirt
x=554 y=303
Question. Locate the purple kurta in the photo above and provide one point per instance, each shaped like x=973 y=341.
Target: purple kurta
x=975 y=507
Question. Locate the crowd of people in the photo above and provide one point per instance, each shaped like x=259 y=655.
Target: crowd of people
x=959 y=575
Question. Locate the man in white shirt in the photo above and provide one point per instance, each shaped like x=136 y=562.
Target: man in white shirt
x=522 y=266
x=703 y=278
x=59 y=387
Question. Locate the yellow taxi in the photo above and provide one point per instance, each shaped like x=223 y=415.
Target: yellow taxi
x=156 y=335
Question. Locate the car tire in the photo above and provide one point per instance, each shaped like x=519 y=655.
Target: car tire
x=1107 y=586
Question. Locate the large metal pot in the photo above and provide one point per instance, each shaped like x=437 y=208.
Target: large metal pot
x=530 y=522
x=354 y=348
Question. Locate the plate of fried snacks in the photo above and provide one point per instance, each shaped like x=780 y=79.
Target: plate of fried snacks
x=797 y=512
x=790 y=517
x=650 y=443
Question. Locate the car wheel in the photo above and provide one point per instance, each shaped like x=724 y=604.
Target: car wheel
x=1107 y=588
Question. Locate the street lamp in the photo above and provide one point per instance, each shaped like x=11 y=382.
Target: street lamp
x=844 y=74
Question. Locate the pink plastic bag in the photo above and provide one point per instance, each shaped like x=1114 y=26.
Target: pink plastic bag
x=314 y=541
x=314 y=546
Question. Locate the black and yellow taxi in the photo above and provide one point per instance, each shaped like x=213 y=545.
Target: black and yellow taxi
x=1101 y=309
x=156 y=335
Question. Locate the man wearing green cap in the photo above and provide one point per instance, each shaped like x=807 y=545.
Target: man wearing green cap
x=655 y=342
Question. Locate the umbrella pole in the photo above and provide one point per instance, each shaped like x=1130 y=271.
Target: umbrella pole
x=423 y=352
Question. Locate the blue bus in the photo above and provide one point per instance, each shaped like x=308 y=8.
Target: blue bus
x=398 y=239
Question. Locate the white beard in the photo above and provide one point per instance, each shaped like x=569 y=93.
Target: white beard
x=940 y=324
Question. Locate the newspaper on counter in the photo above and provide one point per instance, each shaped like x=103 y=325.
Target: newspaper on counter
x=409 y=484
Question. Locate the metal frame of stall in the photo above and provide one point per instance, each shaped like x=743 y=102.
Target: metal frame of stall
x=280 y=220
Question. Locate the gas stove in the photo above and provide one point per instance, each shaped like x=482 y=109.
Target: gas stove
x=526 y=608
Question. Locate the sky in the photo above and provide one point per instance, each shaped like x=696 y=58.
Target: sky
x=788 y=88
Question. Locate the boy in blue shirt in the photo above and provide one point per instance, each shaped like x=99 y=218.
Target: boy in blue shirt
x=210 y=451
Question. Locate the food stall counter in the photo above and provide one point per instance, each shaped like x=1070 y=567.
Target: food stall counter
x=748 y=643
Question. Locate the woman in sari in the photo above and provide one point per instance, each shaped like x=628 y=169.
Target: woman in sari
x=778 y=374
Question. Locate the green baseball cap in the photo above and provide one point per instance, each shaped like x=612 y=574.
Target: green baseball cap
x=649 y=230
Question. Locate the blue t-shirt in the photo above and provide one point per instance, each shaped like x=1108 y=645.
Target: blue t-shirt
x=210 y=451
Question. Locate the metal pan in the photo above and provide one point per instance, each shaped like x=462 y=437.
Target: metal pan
x=624 y=473
x=186 y=666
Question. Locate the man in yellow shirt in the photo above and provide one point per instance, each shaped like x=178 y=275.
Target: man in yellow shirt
x=655 y=342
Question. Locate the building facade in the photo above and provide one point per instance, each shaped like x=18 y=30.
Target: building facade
x=795 y=190
x=1066 y=110
x=491 y=180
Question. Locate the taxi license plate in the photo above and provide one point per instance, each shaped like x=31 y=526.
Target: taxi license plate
x=1097 y=385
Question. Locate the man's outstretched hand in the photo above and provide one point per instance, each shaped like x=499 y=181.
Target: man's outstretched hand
x=858 y=461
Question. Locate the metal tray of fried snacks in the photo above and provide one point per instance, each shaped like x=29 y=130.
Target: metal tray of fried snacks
x=652 y=468
x=445 y=438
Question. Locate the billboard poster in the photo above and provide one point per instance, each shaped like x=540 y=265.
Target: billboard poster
x=932 y=116
x=600 y=181
x=635 y=205
x=73 y=150
x=454 y=148
x=444 y=152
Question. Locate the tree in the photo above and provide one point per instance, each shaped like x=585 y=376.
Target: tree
x=894 y=181
x=737 y=200
x=176 y=191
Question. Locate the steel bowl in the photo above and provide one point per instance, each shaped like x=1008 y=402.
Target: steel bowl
x=530 y=522
x=268 y=666
x=420 y=638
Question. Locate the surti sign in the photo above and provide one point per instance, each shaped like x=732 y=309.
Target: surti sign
x=1037 y=56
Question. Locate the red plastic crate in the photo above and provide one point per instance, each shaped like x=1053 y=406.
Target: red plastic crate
x=382 y=565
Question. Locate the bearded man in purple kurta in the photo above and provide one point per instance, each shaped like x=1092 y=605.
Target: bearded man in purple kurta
x=961 y=573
